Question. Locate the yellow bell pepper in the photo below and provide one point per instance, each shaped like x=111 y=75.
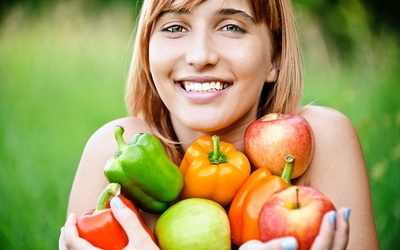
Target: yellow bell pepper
x=213 y=170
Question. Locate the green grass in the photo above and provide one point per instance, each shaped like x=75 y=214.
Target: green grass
x=62 y=76
x=366 y=89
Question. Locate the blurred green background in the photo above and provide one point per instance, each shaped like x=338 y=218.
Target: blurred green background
x=63 y=66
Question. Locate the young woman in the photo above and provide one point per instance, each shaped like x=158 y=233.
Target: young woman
x=212 y=67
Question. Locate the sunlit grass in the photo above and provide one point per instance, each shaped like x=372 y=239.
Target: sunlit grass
x=62 y=76
x=366 y=90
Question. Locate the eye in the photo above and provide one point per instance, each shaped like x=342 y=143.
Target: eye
x=174 y=29
x=233 y=28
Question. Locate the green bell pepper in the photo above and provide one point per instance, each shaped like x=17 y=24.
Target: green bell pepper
x=148 y=177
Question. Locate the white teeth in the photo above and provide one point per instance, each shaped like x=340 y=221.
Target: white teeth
x=204 y=87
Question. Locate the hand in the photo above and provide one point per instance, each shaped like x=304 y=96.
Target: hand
x=334 y=231
x=138 y=237
x=333 y=235
x=69 y=238
x=286 y=243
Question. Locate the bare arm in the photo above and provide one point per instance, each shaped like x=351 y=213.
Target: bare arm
x=338 y=170
x=89 y=180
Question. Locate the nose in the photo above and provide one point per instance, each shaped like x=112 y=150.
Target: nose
x=201 y=51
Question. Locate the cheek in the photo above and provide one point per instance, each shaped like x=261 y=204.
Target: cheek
x=160 y=57
x=154 y=59
x=161 y=62
x=252 y=61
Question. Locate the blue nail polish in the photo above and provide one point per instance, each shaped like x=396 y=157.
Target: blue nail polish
x=117 y=202
x=289 y=244
x=332 y=217
x=347 y=212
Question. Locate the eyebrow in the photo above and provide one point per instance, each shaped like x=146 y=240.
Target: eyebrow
x=235 y=12
x=174 y=11
x=221 y=12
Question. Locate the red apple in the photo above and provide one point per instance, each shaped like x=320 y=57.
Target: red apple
x=269 y=139
x=294 y=211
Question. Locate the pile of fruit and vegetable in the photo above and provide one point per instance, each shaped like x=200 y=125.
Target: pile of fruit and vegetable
x=218 y=197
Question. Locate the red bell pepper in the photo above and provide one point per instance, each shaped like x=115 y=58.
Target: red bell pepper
x=99 y=226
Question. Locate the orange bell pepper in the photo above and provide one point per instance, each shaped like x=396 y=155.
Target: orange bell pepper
x=213 y=170
x=246 y=206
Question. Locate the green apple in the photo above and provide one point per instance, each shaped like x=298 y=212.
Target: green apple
x=194 y=224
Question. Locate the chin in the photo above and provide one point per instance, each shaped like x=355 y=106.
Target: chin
x=199 y=122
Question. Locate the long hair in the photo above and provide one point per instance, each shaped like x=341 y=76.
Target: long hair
x=283 y=96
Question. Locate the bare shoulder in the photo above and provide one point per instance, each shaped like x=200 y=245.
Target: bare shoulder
x=131 y=125
x=335 y=134
x=337 y=151
x=90 y=173
x=103 y=143
x=324 y=118
x=338 y=170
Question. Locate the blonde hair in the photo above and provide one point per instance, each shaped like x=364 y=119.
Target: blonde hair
x=282 y=96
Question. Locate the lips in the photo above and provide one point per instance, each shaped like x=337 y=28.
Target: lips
x=204 y=86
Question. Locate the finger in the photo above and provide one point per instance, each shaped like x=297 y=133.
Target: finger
x=69 y=230
x=326 y=235
x=286 y=243
x=71 y=220
x=71 y=239
x=342 y=229
x=61 y=241
x=138 y=237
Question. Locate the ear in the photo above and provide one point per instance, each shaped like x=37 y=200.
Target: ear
x=273 y=71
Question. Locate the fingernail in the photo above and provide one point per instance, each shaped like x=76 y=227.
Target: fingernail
x=332 y=217
x=347 y=212
x=289 y=244
x=117 y=202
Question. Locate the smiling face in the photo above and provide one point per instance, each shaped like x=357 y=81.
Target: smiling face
x=209 y=64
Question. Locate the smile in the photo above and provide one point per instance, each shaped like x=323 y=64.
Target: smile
x=204 y=87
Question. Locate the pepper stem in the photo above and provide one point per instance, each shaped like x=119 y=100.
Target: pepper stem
x=216 y=156
x=112 y=189
x=122 y=145
x=288 y=170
